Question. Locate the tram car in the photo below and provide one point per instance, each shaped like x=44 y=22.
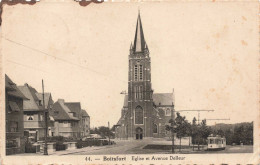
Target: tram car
x=216 y=143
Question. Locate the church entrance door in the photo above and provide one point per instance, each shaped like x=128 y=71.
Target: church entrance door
x=139 y=133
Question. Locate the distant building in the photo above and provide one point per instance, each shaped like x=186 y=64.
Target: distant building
x=14 y=126
x=67 y=121
x=144 y=113
x=85 y=123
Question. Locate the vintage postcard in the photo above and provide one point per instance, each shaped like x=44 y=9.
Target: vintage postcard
x=129 y=82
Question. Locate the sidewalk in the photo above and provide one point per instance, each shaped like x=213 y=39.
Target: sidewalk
x=67 y=152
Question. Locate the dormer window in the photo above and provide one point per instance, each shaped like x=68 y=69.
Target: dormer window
x=29 y=117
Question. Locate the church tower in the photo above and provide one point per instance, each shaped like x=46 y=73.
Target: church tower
x=140 y=101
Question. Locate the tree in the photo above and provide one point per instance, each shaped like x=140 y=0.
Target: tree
x=182 y=127
x=194 y=132
x=102 y=131
x=204 y=131
x=170 y=127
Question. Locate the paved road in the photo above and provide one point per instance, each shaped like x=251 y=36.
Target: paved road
x=136 y=147
x=121 y=147
x=234 y=149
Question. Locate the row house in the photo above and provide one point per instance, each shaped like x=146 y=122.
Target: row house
x=34 y=122
x=48 y=106
x=14 y=126
x=67 y=122
x=70 y=119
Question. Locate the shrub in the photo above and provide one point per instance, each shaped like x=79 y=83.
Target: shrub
x=29 y=148
x=60 y=146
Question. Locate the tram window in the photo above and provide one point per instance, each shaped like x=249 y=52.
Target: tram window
x=211 y=141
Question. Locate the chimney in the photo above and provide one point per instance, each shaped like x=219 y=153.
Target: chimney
x=61 y=101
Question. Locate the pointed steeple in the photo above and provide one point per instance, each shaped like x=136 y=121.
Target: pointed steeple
x=139 y=42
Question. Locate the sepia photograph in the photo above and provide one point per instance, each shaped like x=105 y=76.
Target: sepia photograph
x=130 y=82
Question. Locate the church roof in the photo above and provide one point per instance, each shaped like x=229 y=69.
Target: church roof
x=158 y=99
x=163 y=99
x=139 y=42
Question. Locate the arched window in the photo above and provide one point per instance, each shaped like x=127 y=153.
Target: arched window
x=155 y=128
x=168 y=112
x=139 y=115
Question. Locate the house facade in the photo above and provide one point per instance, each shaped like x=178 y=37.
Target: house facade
x=67 y=122
x=33 y=118
x=48 y=106
x=14 y=126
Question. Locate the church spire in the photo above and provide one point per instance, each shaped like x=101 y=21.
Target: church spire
x=139 y=42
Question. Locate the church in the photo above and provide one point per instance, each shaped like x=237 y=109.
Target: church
x=144 y=113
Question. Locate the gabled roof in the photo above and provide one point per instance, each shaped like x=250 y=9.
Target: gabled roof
x=84 y=113
x=139 y=42
x=28 y=92
x=163 y=99
x=12 y=89
x=61 y=112
x=74 y=107
x=47 y=97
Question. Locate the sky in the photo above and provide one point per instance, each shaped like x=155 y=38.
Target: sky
x=206 y=52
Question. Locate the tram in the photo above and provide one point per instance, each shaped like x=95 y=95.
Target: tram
x=216 y=143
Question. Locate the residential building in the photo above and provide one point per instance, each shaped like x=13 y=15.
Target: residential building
x=75 y=108
x=34 y=123
x=85 y=123
x=14 y=126
x=48 y=106
x=67 y=122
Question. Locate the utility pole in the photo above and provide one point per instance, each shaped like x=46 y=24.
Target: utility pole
x=46 y=122
x=108 y=133
x=196 y=111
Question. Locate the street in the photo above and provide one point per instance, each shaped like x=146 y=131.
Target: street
x=136 y=147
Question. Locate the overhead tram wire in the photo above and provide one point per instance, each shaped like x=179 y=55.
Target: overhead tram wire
x=61 y=59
